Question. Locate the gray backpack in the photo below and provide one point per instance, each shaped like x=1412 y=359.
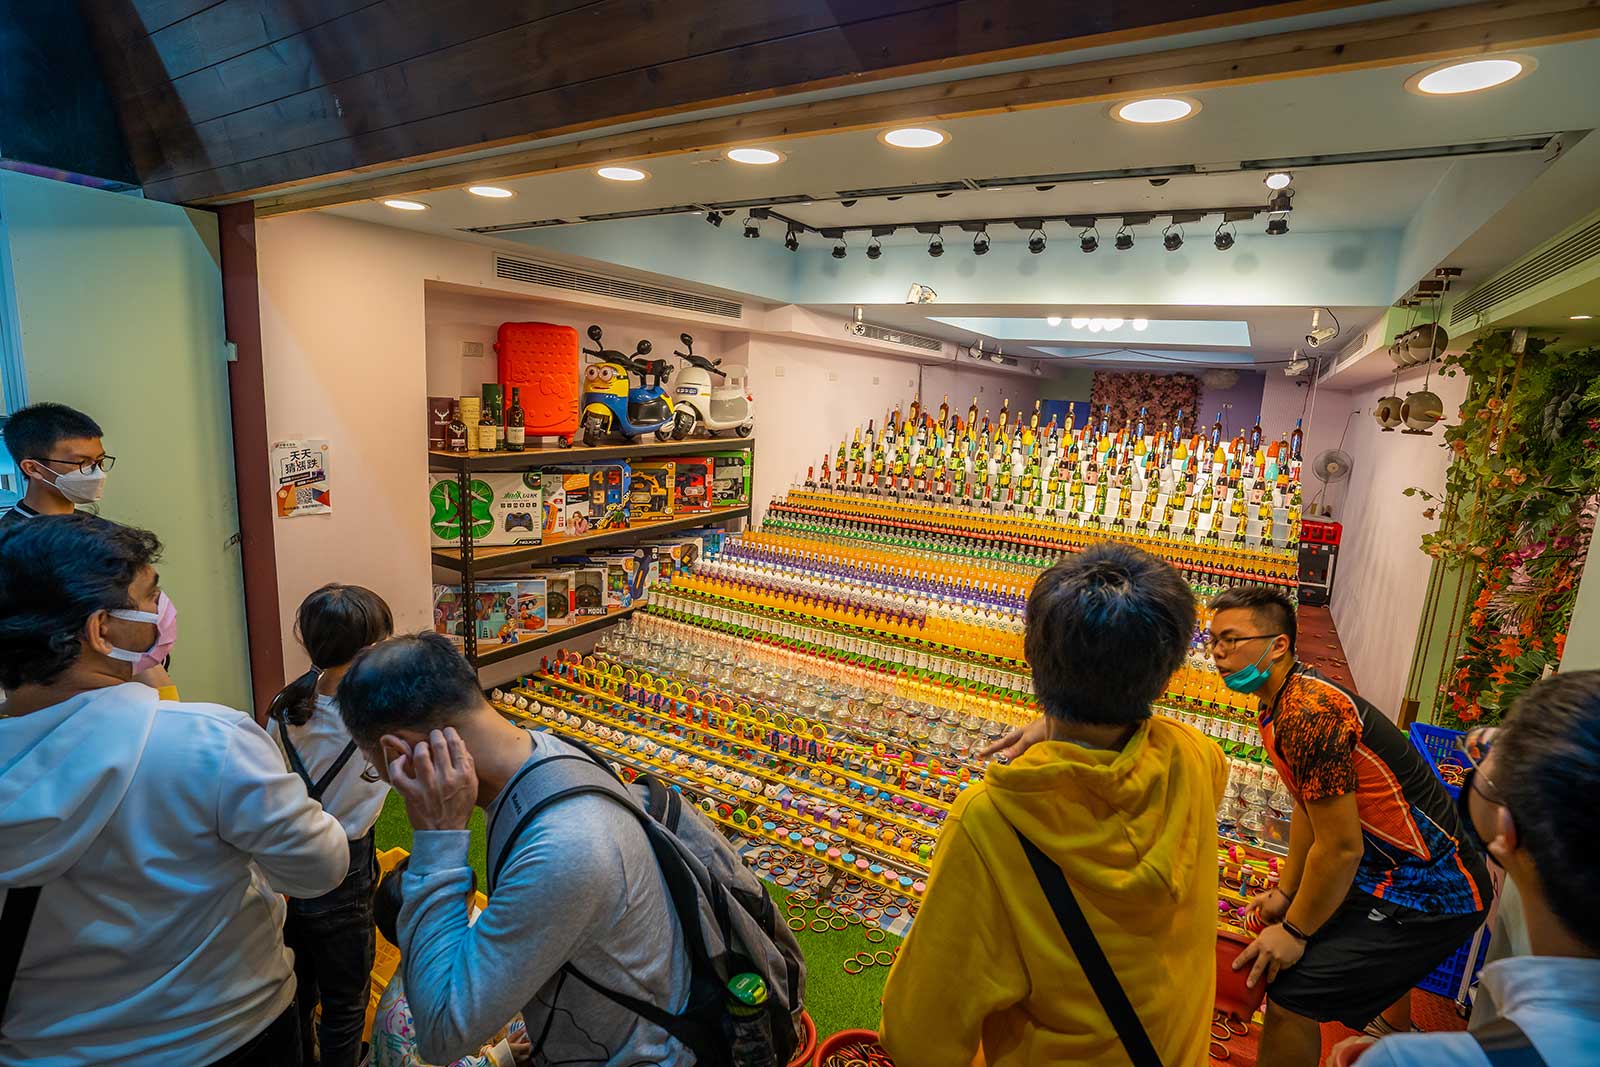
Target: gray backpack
x=729 y=923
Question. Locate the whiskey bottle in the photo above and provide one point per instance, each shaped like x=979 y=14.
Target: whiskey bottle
x=516 y=423
x=456 y=432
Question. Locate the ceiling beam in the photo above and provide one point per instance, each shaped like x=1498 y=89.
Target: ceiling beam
x=1433 y=35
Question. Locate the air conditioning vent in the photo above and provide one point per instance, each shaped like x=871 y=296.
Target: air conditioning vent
x=525 y=270
x=1544 y=264
x=899 y=337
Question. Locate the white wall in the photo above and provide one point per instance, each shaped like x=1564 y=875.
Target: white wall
x=1284 y=400
x=1382 y=573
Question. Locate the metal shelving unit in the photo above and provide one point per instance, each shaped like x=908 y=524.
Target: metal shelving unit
x=469 y=560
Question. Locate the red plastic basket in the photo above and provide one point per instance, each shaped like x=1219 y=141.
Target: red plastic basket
x=839 y=1041
x=808 y=1041
x=1233 y=996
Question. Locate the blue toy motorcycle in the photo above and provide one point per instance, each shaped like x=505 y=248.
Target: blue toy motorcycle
x=611 y=407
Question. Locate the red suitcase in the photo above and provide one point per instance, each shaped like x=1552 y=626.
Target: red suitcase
x=542 y=360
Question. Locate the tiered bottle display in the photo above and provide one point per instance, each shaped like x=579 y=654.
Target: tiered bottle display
x=822 y=684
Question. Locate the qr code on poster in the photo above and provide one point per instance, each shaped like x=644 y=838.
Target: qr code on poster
x=305 y=496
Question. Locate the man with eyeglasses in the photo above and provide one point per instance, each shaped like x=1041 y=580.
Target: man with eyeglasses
x=1528 y=783
x=1381 y=885
x=59 y=451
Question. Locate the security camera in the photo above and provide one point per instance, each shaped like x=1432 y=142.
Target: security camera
x=1319 y=333
x=921 y=294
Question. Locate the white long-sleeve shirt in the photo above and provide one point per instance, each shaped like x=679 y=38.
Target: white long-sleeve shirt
x=351 y=799
x=161 y=833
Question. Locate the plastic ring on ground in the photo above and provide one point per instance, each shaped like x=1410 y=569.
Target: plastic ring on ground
x=877 y=957
x=872 y=914
x=797 y=923
x=783 y=881
x=853 y=919
x=826 y=911
x=838 y=922
x=893 y=912
x=863 y=958
x=858 y=967
x=880 y=939
x=819 y=926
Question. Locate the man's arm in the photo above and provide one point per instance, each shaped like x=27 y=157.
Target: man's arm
x=263 y=810
x=1331 y=861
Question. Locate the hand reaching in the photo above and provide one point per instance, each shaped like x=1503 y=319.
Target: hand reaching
x=1017 y=741
x=436 y=779
x=1272 y=905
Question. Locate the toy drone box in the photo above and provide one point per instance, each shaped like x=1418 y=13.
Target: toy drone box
x=594 y=497
x=502 y=509
x=694 y=477
x=494 y=612
x=449 y=614
x=589 y=591
x=730 y=479
x=653 y=490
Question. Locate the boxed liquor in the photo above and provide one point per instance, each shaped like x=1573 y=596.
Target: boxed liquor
x=652 y=490
x=730 y=481
x=589 y=591
x=449 y=615
x=502 y=509
x=439 y=408
x=694 y=476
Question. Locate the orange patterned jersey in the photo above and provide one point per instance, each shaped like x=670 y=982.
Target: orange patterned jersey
x=1325 y=741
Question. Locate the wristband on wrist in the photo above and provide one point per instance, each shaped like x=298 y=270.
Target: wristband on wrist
x=1295 y=932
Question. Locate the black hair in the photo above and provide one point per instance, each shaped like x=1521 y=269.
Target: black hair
x=34 y=431
x=390 y=897
x=333 y=623
x=413 y=682
x=1547 y=770
x=56 y=572
x=1272 y=609
x=1106 y=629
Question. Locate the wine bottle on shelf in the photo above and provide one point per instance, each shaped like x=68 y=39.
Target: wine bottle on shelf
x=488 y=430
x=516 y=423
x=1295 y=440
x=456 y=432
x=1255 y=435
x=1216 y=432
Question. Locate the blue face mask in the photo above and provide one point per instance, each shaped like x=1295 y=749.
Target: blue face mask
x=1249 y=679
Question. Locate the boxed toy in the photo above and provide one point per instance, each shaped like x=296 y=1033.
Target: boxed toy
x=694 y=484
x=678 y=555
x=553 y=489
x=531 y=609
x=652 y=490
x=494 y=613
x=559 y=606
x=730 y=481
x=712 y=538
x=626 y=574
x=589 y=591
x=594 y=497
x=449 y=618
x=502 y=509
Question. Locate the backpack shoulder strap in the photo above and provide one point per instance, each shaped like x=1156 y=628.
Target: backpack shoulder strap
x=1507 y=1045
x=15 y=918
x=298 y=764
x=1091 y=957
x=563 y=775
x=664 y=803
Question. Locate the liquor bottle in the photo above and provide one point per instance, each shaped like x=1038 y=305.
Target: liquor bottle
x=1139 y=429
x=488 y=430
x=494 y=400
x=1255 y=435
x=456 y=432
x=516 y=423
x=1295 y=440
x=1216 y=432
x=944 y=410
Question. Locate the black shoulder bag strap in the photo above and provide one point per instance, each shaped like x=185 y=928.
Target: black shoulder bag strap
x=298 y=765
x=15 y=919
x=1506 y=1045
x=1086 y=947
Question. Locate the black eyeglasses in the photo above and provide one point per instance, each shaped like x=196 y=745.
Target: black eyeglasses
x=1226 y=645
x=104 y=463
x=1474 y=746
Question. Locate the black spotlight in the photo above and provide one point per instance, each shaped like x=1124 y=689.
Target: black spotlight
x=839 y=249
x=791 y=241
x=714 y=217
x=936 y=246
x=980 y=243
x=1280 y=200
x=1171 y=239
x=1089 y=240
x=1036 y=242
x=1277 y=227
x=1124 y=239
x=874 y=249
x=752 y=229
x=1224 y=239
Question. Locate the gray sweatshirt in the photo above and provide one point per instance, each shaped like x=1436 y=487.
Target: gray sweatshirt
x=582 y=886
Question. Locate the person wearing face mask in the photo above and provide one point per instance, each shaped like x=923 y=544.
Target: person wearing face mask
x=143 y=843
x=59 y=451
x=1529 y=782
x=332 y=935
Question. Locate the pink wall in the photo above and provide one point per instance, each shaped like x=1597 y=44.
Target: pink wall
x=1382 y=573
x=1284 y=400
x=1240 y=404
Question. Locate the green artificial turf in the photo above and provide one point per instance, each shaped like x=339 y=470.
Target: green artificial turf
x=836 y=1001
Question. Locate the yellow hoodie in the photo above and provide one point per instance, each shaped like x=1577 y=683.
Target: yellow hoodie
x=986 y=962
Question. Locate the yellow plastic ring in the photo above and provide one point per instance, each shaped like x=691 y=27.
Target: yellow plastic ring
x=863 y=958
x=819 y=926
x=848 y=962
x=880 y=938
x=796 y=923
x=877 y=957
x=838 y=922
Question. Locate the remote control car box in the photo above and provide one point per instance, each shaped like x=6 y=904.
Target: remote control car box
x=502 y=509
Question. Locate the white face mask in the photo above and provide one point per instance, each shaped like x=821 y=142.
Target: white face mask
x=81 y=488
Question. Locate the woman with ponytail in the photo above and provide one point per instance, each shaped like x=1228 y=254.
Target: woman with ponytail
x=332 y=935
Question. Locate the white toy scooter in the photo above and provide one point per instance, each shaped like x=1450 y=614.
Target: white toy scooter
x=726 y=407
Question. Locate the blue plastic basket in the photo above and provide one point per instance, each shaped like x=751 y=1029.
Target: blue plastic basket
x=1438 y=746
x=1446 y=978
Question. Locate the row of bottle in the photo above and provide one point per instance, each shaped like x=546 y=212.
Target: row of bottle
x=478 y=424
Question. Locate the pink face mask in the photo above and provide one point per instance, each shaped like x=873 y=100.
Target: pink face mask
x=165 y=618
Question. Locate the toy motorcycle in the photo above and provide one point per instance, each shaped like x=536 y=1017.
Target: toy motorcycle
x=726 y=407
x=610 y=406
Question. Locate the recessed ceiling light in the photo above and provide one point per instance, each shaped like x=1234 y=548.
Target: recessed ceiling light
x=1470 y=75
x=1141 y=324
x=1278 y=179
x=491 y=192
x=405 y=205
x=1054 y=320
x=1113 y=324
x=1079 y=322
x=1579 y=318
x=622 y=174
x=755 y=157
x=1155 y=110
x=914 y=137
